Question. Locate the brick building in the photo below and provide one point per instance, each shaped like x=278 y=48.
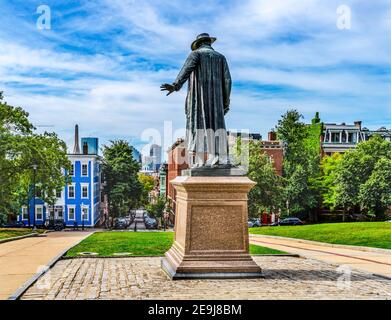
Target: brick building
x=274 y=149
x=177 y=161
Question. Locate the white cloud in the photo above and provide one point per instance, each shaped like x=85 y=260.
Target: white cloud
x=102 y=69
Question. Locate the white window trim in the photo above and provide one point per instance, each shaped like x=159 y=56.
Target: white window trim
x=84 y=207
x=62 y=214
x=36 y=211
x=74 y=212
x=81 y=169
x=74 y=167
x=61 y=194
x=24 y=208
x=74 y=191
x=82 y=185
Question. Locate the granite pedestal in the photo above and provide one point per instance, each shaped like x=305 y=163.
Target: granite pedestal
x=211 y=229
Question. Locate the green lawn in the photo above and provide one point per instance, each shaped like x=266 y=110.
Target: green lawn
x=137 y=243
x=10 y=233
x=369 y=234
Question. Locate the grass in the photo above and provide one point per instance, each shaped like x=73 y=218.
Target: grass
x=6 y=233
x=137 y=243
x=369 y=234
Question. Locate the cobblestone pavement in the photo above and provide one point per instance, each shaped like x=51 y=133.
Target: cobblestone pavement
x=142 y=278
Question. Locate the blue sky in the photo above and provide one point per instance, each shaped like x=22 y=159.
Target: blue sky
x=101 y=63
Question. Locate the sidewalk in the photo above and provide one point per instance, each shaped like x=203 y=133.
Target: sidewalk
x=374 y=262
x=22 y=259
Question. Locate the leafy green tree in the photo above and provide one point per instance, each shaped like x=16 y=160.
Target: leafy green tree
x=20 y=149
x=375 y=194
x=157 y=208
x=354 y=176
x=147 y=184
x=121 y=183
x=301 y=163
x=327 y=180
x=265 y=196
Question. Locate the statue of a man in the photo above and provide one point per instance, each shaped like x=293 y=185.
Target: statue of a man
x=207 y=102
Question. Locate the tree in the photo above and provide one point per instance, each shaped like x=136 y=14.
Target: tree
x=147 y=185
x=375 y=194
x=121 y=184
x=354 y=176
x=265 y=196
x=301 y=144
x=327 y=180
x=156 y=209
x=20 y=148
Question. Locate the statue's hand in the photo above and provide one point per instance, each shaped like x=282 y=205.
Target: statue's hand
x=167 y=87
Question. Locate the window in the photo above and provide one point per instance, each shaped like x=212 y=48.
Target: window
x=352 y=137
x=71 y=213
x=84 y=213
x=25 y=215
x=60 y=214
x=84 y=191
x=72 y=170
x=335 y=137
x=84 y=170
x=58 y=193
x=38 y=212
x=71 y=191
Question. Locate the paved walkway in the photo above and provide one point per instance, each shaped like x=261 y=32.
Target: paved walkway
x=22 y=259
x=373 y=262
x=143 y=278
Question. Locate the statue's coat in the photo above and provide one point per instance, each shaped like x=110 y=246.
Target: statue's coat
x=209 y=90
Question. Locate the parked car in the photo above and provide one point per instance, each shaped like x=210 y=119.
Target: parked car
x=120 y=223
x=250 y=224
x=291 y=222
x=151 y=223
x=256 y=222
x=14 y=224
x=54 y=224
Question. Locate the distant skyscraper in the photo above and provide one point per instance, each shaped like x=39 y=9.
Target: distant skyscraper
x=156 y=154
x=90 y=145
x=153 y=160
x=136 y=155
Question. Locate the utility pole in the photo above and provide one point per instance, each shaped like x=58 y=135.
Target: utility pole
x=34 y=178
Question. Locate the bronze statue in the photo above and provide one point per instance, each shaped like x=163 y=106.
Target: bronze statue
x=207 y=102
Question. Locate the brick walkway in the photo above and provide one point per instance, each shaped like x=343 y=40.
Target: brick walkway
x=22 y=259
x=142 y=278
x=367 y=261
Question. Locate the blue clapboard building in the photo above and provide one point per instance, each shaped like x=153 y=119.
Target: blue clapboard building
x=78 y=202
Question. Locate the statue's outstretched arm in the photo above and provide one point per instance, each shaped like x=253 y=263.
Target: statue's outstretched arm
x=188 y=67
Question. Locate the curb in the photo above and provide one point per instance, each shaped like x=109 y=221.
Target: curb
x=325 y=244
x=21 y=290
x=122 y=257
x=29 y=235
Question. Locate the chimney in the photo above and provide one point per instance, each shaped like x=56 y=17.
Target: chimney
x=76 y=148
x=358 y=124
x=271 y=136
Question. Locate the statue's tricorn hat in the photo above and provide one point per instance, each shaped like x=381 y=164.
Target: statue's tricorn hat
x=200 y=38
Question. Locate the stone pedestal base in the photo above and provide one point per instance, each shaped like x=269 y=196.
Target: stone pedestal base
x=211 y=231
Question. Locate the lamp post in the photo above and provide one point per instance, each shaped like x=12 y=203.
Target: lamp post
x=82 y=217
x=34 y=177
